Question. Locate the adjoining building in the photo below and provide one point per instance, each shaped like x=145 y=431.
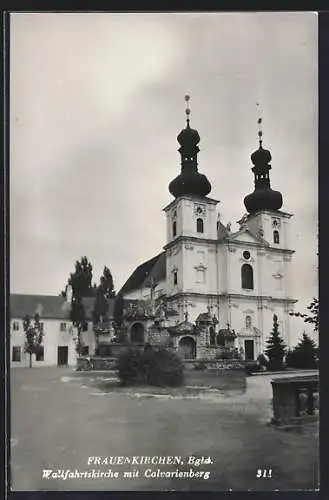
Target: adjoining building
x=59 y=341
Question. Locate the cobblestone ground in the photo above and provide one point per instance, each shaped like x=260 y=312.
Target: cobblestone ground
x=60 y=418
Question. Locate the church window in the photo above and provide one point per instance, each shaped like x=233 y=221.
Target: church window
x=247 y=277
x=199 y=225
x=246 y=255
x=248 y=321
x=201 y=276
x=175 y=278
x=276 y=237
x=16 y=326
x=174 y=228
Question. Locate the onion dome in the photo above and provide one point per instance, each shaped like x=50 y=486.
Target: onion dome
x=263 y=197
x=189 y=181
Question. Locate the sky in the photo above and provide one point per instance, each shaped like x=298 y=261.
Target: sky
x=96 y=103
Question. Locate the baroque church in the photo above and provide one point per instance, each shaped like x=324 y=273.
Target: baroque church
x=215 y=287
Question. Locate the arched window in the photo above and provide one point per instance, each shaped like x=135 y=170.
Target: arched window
x=248 y=321
x=276 y=237
x=174 y=228
x=199 y=226
x=175 y=278
x=247 y=277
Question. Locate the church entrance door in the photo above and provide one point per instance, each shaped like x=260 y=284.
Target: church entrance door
x=187 y=348
x=249 y=350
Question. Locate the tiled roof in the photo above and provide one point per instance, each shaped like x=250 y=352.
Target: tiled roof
x=154 y=268
x=48 y=306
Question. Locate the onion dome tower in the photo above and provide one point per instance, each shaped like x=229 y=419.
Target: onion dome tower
x=263 y=197
x=189 y=181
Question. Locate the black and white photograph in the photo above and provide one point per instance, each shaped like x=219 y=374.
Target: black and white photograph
x=163 y=201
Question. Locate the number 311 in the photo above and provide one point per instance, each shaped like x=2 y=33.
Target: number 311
x=266 y=473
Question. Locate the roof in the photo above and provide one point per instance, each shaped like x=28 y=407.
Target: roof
x=49 y=306
x=154 y=268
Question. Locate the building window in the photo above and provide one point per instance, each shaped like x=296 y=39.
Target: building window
x=63 y=327
x=174 y=228
x=246 y=255
x=175 y=278
x=247 y=277
x=40 y=354
x=42 y=325
x=276 y=237
x=16 y=354
x=199 y=226
x=16 y=326
x=85 y=327
x=201 y=276
x=248 y=321
x=85 y=350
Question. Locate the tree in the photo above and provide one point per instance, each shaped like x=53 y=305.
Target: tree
x=100 y=311
x=33 y=335
x=276 y=348
x=118 y=316
x=304 y=355
x=107 y=283
x=81 y=279
x=81 y=285
x=78 y=318
x=313 y=316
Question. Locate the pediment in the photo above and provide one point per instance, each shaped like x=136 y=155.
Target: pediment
x=246 y=236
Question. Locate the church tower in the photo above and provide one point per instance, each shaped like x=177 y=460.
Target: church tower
x=191 y=227
x=270 y=225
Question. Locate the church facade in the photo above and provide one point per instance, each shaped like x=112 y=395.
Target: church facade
x=238 y=280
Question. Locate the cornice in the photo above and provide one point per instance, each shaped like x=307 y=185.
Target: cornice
x=231 y=296
x=226 y=243
x=197 y=199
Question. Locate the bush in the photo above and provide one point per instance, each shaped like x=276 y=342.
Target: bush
x=200 y=365
x=158 y=368
x=129 y=368
x=263 y=362
x=252 y=367
x=304 y=355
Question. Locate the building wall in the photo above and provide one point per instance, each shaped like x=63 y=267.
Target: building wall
x=53 y=337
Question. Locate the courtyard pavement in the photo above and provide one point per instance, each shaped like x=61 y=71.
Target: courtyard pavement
x=59 y=418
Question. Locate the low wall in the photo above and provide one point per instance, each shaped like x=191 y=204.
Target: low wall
x=216 y=364
x=96 y=364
